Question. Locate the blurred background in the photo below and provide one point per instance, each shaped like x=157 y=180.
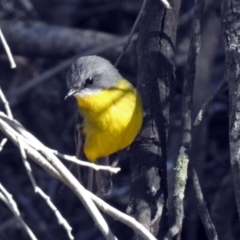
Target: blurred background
x=42 y=34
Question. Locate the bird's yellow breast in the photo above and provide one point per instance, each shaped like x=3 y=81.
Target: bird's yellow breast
x=112 y=119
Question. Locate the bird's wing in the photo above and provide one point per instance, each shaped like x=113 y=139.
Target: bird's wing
x=79 y=137
x=79 y=142
x=86 y=175
x=103 y=178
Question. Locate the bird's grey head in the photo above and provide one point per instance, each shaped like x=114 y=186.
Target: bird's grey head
x=91 y=74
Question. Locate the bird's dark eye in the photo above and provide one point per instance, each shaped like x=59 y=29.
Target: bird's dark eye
x=88 y=81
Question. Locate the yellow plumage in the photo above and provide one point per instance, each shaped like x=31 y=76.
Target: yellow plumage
x=112 y=119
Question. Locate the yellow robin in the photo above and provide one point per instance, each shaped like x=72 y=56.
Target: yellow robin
x=111 y=111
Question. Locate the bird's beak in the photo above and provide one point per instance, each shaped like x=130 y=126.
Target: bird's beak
x=70 y=93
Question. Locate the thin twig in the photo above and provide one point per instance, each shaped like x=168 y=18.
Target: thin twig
x=39 y=158
x=15 y=94
x=86 y=164
x=11 y=134
x=7 y=198
x=187 y=115
x=33 y=142
x=166 y=4
x=124 y=218
x=69 y=179
x=6 y=104
x=8 y=51
x=131 y=33
x=206 y=104
x=186 y=142
x=80 y=191
x=9 y=113
x=39 y=191
x=3 y=142
x=202 y=210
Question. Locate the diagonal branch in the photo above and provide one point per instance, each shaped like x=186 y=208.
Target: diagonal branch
x=141 y=12
x=7 y=198
x=52 y=163
x=46 y=155
x=7 y=50
x=206 y=104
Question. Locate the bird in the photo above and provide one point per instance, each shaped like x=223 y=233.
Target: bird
x=110 y=113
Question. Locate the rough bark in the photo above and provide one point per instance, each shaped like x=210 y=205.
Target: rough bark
x=231 y=16
x=156 y=44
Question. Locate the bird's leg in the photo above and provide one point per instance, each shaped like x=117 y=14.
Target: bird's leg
x=90 y=179
x=104 y=178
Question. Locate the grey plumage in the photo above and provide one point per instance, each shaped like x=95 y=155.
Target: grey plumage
x=101 y=71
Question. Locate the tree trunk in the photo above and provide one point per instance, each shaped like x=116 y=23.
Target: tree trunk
x=156 y=44
x=231 y=14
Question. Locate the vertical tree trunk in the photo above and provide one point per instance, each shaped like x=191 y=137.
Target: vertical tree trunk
x=156 y=44
x=231 y=15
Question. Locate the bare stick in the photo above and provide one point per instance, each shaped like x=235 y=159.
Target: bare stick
x=132 y=32
x=69 y=179
x=39 y=191
x=86 y=164
x=202 y=210
x=206 y=104
x=33 y=142
x=179 y=189
x=7 y=198
x=131 y=222
x=9 y=113
x=186 y=142
x=166 y=4
x=124 y=218
x=6 y=104
x=187 y=115
x=3 y=142
x=8 y=51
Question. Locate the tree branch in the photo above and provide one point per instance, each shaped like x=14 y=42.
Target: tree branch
x=7 y=198
x=7 y=50
x=206 y=104
x=46 y=155
x=186 y=142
